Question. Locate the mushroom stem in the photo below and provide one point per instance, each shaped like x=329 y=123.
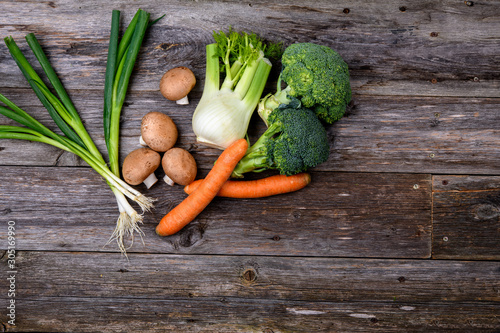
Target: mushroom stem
x=150 y=180
x=183 y=101
x=142 y=142
x=168 y=180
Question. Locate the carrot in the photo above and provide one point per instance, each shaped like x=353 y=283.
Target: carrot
x=194 y=204
x=264 y=187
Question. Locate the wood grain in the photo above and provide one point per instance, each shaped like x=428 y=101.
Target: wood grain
x=390 y=51
x=398 y=231
x=379 y=134
x=183 y=276
x=250 y=293
x=344 y=214
x=248 y=315
x=466 y=217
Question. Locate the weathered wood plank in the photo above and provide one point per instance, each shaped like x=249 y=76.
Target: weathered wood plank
x=69 y=314
x=168 y=276
x=428 y=135
x=338 y=214
x=413 y=174
x=244 y=293
x=393 y=48
x=466 y=217
x=379 y=134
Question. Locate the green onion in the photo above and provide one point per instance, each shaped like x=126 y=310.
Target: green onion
x=122 y=55
x=37 y=84
x=75 y=138
x=121 y=61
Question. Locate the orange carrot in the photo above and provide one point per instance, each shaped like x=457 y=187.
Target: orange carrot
x=264 y=187
x=194 y=204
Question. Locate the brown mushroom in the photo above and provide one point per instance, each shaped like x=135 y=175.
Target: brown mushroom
x=176 y=84
x=179 y=166
x=139 y=167
x=158 y=131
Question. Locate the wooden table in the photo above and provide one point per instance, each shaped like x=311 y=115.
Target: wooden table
x=398 y=231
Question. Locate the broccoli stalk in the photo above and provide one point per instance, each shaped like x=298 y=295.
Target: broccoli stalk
x=294 y=141
x=316 y=77
x=281 y=98
x=224 y=111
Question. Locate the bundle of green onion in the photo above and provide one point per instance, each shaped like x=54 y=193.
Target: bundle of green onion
x=75 y=138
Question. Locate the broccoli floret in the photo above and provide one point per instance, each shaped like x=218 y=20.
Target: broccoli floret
x=315 y=75
x=294 y=141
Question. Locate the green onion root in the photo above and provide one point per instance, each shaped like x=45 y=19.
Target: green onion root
x=128 y=223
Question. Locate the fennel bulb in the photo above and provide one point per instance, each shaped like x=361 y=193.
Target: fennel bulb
x=224 y=111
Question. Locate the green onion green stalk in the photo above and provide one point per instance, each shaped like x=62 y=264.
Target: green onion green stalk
x=74 y=137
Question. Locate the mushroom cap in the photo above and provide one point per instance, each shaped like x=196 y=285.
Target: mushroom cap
x=158 y=131
x=139 y=164
x=179 y=165
x=177 y=82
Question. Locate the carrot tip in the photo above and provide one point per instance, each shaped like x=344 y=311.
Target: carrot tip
x=307 y=176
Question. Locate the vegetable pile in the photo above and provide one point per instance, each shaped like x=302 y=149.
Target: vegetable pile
x=317 y=91
x=159 y=135
x=75 y=138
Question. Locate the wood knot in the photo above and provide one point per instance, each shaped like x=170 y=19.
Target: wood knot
x=191 y=235
x=249 y=275
x=166 y=46
x=486 y=212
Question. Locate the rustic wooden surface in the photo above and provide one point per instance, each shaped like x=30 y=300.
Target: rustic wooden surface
x=398 y=231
